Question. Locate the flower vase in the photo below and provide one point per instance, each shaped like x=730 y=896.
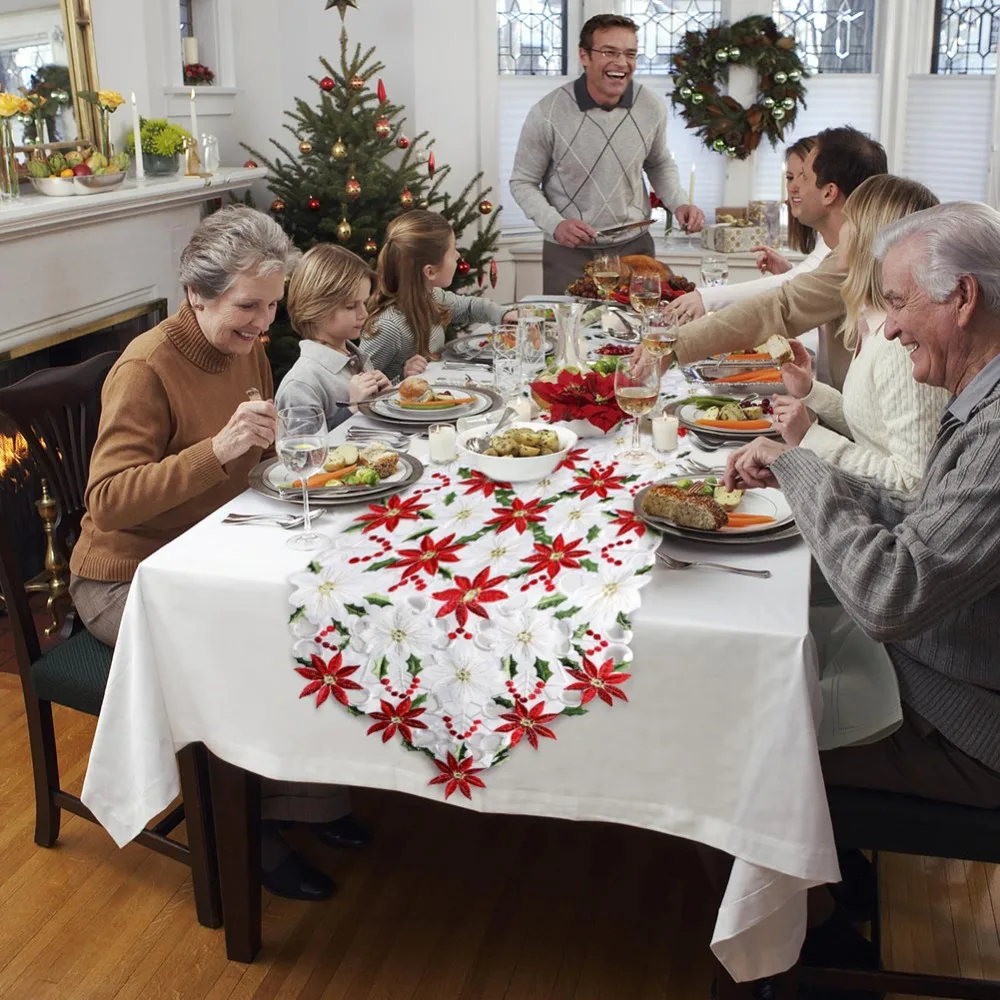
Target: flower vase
x=9 y=183
x=104 y=140
x=570 y=351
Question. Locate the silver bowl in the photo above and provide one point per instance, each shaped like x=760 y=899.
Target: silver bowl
x=54 y=187
x=96 y=183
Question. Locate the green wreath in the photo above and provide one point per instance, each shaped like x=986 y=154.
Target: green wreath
x=703 y=62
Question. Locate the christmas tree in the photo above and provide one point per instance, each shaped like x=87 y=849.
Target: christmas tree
x=355 y=170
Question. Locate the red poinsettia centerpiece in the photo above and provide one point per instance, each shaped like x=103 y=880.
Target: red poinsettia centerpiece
x=581 y=396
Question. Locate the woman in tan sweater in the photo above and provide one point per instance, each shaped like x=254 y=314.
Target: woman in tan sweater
x=177 y=440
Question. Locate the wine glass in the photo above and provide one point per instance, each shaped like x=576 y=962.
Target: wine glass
x=714 y=270
x=300 y=441
x=637 y=387
x=644 y=293
x=606 y=272
x=660 y=335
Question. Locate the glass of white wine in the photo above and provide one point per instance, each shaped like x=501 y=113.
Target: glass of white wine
x=606 y=271
x=660 y=335
x=300 y=440
x=637 y=387
x=644 y=293
x=714 y=270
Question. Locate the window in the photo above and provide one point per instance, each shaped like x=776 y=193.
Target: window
x=531 y=37
x=662 y=26
x=187 y=19
x=834 y=36
x=967 y=37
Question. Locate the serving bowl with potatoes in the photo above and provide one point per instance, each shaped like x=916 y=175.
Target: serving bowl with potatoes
x=522 y=453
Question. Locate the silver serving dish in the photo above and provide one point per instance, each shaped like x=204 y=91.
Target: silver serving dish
x=66 y=187
x=708 y=372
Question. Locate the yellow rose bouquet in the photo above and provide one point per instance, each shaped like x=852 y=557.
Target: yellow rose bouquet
x=13 y=104
x=10 y=105
x=110 y=100
x=107 y=102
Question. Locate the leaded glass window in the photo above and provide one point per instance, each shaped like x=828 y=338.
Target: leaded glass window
x=967 y=37
x=531 y=37
x=833 y=36
x=662 y=24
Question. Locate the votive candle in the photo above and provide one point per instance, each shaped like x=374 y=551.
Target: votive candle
x=664 y=433
x=441 y=443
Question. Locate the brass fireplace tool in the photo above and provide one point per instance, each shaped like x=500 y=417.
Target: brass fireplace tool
x=54 y=579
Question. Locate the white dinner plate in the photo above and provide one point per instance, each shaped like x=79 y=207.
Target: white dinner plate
x=689 y=414
x=270 y=478
x=386 y=406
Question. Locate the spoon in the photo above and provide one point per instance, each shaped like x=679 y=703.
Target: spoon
x=481 y=443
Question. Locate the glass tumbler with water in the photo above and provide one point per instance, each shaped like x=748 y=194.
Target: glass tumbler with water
x=714 y=270
x=506 y=361
x=300 y=441
x=532 y=345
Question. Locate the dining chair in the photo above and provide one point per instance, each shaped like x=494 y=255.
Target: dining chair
x=903 y=824
x=57 y=411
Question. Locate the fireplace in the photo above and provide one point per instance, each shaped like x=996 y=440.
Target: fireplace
x=19 y=481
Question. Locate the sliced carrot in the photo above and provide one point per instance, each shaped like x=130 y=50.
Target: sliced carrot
x=761 y=375
x=748 y=356
x=737 y=425
x=440 y=403
x=322 y=478
x=746 y=520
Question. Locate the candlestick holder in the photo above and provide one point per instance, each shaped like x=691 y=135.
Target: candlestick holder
x=192 y=161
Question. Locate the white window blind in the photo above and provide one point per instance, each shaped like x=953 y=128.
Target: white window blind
x=948 y=123
x=519 y=94
x=833 y=99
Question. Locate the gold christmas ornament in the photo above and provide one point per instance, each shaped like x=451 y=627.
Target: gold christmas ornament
x=406 y=198
x=353 y=188
x=277 y=205
x=383 y=128
x=305 y=147
x=338 y=151
x=344 y=230
x=357 y=83
x=485 y=207
x=370 y=245
x=423 y=203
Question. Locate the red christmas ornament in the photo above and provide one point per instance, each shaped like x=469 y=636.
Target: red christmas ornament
x=353 y=188
x=493 y=273
x=480 y=278
x=464 y=267
x=313 y=204
x=250 y=164
x=406 y=198
x=381 y=92
x=357 y=83
x=654 y=200
x=403 y=142
x=277 y=205
x=383 y=128
x=431 y=165
x=370 y=245
x=485 y=207
x=327 y=84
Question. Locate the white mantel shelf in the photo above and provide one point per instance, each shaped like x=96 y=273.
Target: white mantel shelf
x=35 y=214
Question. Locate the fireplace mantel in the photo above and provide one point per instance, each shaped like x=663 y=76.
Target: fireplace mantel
x=66 y=263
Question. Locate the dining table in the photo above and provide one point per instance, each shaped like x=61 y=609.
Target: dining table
x=713 y=738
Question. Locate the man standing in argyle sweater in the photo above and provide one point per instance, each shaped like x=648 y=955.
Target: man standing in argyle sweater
x=583 y=149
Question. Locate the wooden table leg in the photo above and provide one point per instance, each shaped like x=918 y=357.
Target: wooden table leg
x=192 y=761
x=236 y=812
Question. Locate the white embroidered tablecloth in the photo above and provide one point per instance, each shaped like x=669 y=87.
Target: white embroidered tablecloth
x=716 y=741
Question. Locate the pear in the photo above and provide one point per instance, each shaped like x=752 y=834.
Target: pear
x=97 y=162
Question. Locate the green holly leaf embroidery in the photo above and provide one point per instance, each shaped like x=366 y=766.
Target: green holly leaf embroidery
x=576 y=710
x=550 y=602
x=418 y=534
x=449 y=499
x=623 y=620
x=594 y=532
x=356 y=609
x=589 y=564
x=503 y=702
x=297 y=615
x=378 y=600
x=413 y=666
x=543 y=671
x=567 y=612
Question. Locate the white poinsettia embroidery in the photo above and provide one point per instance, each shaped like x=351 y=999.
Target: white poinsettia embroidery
x=528 y=635
x=396 y=632
x=325 y=593
x=465 y=515
x=611 y=591
x=502 y=552
x=547 y=486
x=574 y=517
x=462 y=680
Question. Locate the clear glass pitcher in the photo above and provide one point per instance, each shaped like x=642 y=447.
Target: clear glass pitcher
x=571 y=349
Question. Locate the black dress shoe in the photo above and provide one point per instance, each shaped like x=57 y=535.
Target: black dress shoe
x=343 y=832
x=295 y=878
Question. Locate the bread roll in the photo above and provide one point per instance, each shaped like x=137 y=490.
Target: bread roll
x=415 y=390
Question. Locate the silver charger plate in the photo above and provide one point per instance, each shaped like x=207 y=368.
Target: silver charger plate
x=380 y=409
x=706 y=373
x=471 y=347
x=342 y=496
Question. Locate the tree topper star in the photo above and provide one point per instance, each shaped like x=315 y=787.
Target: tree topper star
x=341 y=5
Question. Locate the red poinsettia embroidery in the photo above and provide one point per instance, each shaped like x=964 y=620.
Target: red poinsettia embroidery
x=626 y=521
x=468 y=596
x=478 y=483
x=518 y=516
x=457 y=775
x=428 y=557
x=389 y=515
x=557 y=556
x=527 y=722
x=576 y=455
x=403 y=717
x=601 y=681
x=597 y=481
x=328 y=678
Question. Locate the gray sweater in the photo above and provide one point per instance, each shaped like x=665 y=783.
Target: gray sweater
x=577 y=160
x=393 y=342
x=920 y=571
x=321 y=377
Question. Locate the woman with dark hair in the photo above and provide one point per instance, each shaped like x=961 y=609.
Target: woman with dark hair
x=776 y=268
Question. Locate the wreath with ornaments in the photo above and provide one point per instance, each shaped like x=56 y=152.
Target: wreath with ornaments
x=702 y=64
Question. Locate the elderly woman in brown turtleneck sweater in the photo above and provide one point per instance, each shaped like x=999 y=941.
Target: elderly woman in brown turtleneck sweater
x=177 y=440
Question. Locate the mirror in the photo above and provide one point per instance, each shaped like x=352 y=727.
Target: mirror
x=46 y=47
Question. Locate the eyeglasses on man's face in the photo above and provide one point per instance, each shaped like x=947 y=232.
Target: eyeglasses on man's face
x=629 y=55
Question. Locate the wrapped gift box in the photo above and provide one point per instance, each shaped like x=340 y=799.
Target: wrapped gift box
x=733 y=239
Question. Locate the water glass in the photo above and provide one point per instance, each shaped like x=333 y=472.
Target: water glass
x=714 y=270
x=300 y=440
x=531 y=346
x=506 y=361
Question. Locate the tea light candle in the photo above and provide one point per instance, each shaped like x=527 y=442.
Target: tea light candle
x=521 y=406
x=664 y=433
x=441 y=443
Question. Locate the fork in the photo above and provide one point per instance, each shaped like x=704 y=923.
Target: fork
x=288 y=521
x=671 y=563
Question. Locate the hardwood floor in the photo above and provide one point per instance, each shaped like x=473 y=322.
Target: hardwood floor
x=447 y=905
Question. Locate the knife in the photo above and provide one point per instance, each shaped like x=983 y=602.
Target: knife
x=622 y=229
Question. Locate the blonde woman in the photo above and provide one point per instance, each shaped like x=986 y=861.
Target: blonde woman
x=327 y=299
x=883 y=423
x=411 y=307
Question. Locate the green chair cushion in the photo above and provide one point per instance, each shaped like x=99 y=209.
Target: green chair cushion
x=74 y=673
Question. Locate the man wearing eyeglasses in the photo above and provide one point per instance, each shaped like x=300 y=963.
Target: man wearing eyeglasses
x=583 y=150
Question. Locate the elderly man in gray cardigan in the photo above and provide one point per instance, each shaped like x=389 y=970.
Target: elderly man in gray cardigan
x=920 y=571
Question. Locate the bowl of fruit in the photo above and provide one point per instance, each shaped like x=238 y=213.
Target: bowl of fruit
x=76 y=172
